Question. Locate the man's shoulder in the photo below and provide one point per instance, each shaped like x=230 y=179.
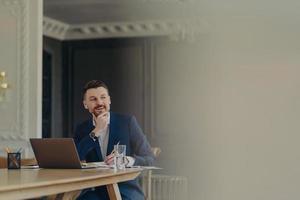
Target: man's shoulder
x=120 y=116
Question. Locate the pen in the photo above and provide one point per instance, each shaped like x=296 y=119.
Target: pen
x=7 y=150
x=113 y=151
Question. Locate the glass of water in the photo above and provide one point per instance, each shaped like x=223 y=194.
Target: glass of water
x=119 y=156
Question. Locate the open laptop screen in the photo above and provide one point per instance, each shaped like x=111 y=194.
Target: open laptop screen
x=55 y=153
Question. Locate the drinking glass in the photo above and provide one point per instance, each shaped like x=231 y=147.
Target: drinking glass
x=119 y=156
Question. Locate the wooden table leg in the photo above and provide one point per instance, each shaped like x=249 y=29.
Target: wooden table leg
x=65 y=196
x=114 y=192
x=71 y=195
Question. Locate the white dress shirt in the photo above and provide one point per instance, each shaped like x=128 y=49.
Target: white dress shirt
x=103 y=142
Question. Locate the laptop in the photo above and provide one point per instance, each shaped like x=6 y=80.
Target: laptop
x=58 y=153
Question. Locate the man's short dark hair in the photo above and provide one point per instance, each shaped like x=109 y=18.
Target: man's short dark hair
x=94 y=84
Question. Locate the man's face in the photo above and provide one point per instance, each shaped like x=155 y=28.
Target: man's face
x=97 y=100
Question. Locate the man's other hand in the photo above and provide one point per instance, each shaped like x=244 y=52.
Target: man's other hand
x=109 y=160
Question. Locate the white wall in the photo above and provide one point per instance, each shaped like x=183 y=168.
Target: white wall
x=20 y=58
x=228 y=104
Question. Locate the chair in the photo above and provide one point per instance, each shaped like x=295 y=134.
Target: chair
x=156 y=151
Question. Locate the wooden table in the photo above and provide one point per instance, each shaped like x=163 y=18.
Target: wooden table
x=32 y=183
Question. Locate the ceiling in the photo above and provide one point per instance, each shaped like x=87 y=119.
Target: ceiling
x=102 y=11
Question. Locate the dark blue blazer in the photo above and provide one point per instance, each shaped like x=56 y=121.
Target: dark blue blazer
x=123 y=129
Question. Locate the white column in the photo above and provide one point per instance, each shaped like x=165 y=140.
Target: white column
x=21 y=59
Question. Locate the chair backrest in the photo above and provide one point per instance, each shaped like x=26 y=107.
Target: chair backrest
x=146 y=178
x=28 y=161
x=156 y=151
x=3 y=162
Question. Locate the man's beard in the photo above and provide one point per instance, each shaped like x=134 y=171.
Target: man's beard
x=98 y=110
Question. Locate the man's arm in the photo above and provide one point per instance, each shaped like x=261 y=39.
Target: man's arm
x=84 y=143
x=141 y=148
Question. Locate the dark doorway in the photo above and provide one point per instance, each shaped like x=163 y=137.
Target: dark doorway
x=47 y=87
x=121 y=63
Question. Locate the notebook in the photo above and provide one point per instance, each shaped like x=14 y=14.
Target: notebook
x=59 y=153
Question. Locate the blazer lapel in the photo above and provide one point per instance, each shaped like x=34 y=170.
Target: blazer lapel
x=97 y=146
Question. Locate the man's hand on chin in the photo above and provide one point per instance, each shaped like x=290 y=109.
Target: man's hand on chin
x=101 y=122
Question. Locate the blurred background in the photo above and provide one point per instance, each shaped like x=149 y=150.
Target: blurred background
x=213 y=84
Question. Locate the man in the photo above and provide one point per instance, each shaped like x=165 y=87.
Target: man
x=96 y=137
